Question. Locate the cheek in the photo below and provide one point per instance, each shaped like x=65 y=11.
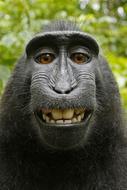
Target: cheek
x=85 y=76
x=86 y=85
x=41 y=74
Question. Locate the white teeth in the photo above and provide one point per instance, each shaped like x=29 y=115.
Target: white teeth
x=56 y=114
x=82 y=115
x=68 y=114
x=59 y=121
x=63 y=116
x=79 y=118
x=74 y=120
x=52 y=121
x=68 y=121
x=47 y=119
x=44 y=116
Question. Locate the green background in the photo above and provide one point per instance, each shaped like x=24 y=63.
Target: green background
x=106 y=20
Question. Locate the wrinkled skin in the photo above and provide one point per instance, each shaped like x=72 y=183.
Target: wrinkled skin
x=87 y=155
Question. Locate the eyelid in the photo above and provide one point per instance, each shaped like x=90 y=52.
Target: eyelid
x=44 y=50
x=83 y=50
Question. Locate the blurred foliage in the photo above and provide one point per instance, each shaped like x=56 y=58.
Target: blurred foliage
x=105 y=19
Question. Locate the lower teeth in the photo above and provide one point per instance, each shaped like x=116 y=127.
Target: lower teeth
x=62 y=121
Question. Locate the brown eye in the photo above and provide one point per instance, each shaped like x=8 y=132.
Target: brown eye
x=45 y=58
x=79 y=58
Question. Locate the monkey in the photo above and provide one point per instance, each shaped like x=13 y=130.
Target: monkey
x=61 y=123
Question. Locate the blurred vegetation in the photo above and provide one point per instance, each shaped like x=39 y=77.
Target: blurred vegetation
x=105 y=19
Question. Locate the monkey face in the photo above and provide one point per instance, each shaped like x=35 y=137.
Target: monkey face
x=63 y=87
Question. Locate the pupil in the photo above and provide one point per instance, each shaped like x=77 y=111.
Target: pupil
x=79 y=58
x=46 y=57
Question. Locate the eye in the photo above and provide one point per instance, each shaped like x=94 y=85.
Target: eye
x=45 y=58
x=80 y=58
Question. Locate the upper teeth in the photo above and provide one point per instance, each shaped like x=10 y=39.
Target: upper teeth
x=63 y=116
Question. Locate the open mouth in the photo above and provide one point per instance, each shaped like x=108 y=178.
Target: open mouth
x=66 y=116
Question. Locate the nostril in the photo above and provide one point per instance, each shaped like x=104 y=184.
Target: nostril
x=68 y=91
x=63 y=85
x=62 y=90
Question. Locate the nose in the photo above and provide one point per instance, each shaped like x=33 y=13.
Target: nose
x=62 y=85
x=64 y=76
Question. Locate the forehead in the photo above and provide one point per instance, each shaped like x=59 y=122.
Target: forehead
x=57 y=38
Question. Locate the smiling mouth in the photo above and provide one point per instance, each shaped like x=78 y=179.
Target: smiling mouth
x=66 y=116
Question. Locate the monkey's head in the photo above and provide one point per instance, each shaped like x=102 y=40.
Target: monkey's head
x=62 y=63
x=61 y=75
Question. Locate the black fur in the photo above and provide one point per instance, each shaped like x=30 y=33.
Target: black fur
x=26 y=164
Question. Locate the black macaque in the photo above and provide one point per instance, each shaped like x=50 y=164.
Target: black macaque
x=61 y=125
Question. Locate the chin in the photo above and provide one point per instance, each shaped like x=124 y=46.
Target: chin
x=63 y=129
